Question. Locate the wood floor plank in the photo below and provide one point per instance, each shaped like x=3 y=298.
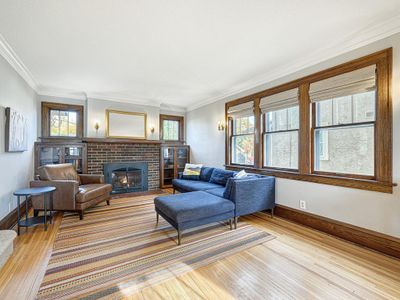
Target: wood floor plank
x=300 y=263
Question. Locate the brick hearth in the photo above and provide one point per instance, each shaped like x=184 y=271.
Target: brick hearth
x=100 y=153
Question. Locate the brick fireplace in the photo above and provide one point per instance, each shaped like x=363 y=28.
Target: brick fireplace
x=105 y=151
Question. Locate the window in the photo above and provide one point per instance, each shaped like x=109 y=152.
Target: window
x=344 y=130
x=243 y=141
x=241 y=126
x=332 y=127
x=63 y=123
x=171 y=128
x=281 y=130
x=62 y=120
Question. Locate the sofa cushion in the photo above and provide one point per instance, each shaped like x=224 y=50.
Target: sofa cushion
x=193 y=185
x=217 y=192
x=220 y=176
x=192 y=206
x=58 y=172
x=89 y=192
x=205 y=173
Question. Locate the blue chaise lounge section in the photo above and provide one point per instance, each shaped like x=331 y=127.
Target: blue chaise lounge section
x=216 y=195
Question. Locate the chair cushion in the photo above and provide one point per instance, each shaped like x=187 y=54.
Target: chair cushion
x=217 y=192
x=192 y=206
x=58 y=172
x=193 y=185
x=220 y=176
x=89 y=192
x=205 y=173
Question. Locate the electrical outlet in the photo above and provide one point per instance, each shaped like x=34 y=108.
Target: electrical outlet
x=303 y=204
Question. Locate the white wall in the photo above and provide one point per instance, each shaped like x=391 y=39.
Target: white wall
x=372 y=210
x=207 y=144
x=16 y=169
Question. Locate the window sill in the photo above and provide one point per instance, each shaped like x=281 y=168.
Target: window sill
x=362 y=184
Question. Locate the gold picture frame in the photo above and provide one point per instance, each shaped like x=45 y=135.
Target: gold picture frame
x=135 y=126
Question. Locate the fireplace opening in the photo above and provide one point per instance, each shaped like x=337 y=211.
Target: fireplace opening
x=126 y=177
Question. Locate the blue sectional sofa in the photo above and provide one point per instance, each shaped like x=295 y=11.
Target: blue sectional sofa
x=215 y=196
x=250 y=194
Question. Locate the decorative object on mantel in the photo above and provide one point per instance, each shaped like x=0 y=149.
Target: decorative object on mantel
x=6 y=245
x=122 y=124
x=16 y=135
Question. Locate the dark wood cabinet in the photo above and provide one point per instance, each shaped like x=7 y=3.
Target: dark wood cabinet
x=61 y=152
x=173 y=160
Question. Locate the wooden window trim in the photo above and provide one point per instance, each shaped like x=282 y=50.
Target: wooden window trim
x=181 y=121
x=382 y=181
x=45 y=122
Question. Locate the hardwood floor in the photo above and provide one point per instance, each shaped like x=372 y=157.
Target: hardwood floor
x=300 y=263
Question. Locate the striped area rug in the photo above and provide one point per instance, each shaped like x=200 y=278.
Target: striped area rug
x=118 y=250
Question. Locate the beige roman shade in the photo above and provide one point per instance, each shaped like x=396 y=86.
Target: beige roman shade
x=241 y=110
x=355 y=82
x=279 y=101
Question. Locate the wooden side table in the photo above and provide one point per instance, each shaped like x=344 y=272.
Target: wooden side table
x=38 y=191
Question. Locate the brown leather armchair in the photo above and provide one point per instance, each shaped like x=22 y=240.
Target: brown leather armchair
x=75 y=192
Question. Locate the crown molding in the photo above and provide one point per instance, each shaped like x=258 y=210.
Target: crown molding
x=12 y=58
x=123 y=99
x=61 y=93
x=351 y=42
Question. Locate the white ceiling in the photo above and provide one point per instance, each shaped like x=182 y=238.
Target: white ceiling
x=180 y=52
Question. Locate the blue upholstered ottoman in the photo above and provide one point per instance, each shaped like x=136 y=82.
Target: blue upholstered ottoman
x=188 y=210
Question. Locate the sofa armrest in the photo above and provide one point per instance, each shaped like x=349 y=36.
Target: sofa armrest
x=251 y=195
x=63 y=196
x=91 y=178
x=180 y=175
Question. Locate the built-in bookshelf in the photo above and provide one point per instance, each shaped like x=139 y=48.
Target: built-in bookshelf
x=173 y=160
x=61 y=152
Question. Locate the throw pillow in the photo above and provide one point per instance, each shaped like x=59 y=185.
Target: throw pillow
x=220 y=176
x=192 y=171
x=241 y=174
x=205 y=173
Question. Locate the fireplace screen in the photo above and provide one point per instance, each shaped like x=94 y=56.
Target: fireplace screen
x=126 y=177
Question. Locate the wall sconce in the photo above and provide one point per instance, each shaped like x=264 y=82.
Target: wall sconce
x=151 y=128
x=97 y=126
x=221 y=126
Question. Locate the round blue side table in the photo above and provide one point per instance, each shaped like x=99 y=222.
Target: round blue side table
x=37 y=191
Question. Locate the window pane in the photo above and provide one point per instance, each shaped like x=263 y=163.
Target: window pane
x=64 y=123
x=364 y=107
x=281 y=150
x=342 y=110
x=171 y=130
x=54 y=122
x=324 y=113
x=284 y=119
x=346 y=110
x=244 y=125
x=348 y=150
x=243 y=149
x=293 y=117
x=72 y=123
